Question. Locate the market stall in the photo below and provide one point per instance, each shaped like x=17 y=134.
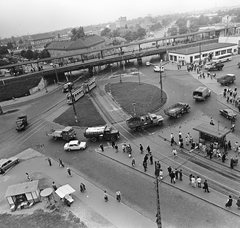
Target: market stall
x=64 y=192
x=23 y=195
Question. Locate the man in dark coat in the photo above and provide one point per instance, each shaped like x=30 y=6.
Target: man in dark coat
x=205 y=186
x=229 y=202
x=169 y=170
x=172 y=176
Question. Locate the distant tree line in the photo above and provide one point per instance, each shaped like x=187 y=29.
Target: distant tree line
x=29 y=54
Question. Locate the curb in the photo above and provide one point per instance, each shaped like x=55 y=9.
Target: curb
x=185 y=191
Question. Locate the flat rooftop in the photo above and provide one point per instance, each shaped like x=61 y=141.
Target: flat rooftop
x=204 y=48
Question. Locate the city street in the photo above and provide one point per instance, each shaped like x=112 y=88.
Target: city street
x=178 y=208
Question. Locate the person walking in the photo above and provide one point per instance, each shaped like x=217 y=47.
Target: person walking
x=238 y=203
x=229 y=145
x=133 y=162
x=172 y=176
x=69 y=171
x=145 y=159
x=54 y=186
x=169 y=170
x=105 y=196
x=148 y=149
x=160 y=174
x=28 y=177
x=101 y=147
x=199 y=182
x=205 y=186
x=179 y=135
x=141 y=148
x=174 y=152
x=223 y=157
x=61 y=163
x=211 y=121
x=231 y=163
x=113 y=144
x=145 y=166
x=173 y=141
x=116 y=148
x=124 y=146
x=49 y=161
x=180 y=175
x=229 y=202
x=151 y=159
x=118 y=196
x=193 y=182
x=190 y=179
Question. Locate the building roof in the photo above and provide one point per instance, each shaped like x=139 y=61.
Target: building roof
x=22 y=188
x=195 y=50
x=213 y=130
x=40 y=36
x=86 y=42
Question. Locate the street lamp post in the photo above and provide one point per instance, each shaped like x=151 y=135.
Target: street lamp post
x=73 y=102
x=158 y=215
x=160 y=79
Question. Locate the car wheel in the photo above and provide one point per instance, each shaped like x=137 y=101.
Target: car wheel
x=94 y=139
x=113 y=138
x=139 y=129
x=68 y=149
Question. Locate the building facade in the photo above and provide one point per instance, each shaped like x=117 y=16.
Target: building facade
x=40 y=40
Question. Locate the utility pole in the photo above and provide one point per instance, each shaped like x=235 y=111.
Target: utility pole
x=73 y=102
x=158 y=215
x=160 y=80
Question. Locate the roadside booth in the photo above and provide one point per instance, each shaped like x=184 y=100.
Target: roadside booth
x=23 y=195
x=215 y=134
x=64 y=192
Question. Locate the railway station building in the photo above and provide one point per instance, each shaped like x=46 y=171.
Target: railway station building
x=202 y=52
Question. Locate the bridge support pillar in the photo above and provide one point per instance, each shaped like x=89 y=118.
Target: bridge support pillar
x=90 y=70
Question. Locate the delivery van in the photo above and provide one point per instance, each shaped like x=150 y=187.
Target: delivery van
x=226 y=79
x=201 y=93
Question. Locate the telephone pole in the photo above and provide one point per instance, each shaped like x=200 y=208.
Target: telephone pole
x=158 y=215
x=73 y=102
x=160 y=80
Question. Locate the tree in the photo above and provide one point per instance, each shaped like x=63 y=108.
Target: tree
x=215 y=20
x=105 y=32
x=20 y=41
x=128 y=36
x=183 y=29
x=141 y=32
x=172 y=31
x=44 y=54
x=156 y=26
x=23 y=53
x=77 y=33
x=35 y=54
x=3 y=50
x=9 y=45
x=115 y=33
x=29 y=54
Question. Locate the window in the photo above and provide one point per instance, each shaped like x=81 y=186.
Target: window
x=223 y=52
x=204 y=55
x=229 y=50
x=171 y=57
x=217 y=53
x=196 y=56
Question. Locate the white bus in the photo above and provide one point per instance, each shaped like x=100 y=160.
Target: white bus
x=77 y=93
x=222 y=58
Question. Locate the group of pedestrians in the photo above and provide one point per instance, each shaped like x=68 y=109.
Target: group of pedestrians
x=196 y=182
x=230 y=202
x=174 y=174
x=148 y=157
x=231 y=96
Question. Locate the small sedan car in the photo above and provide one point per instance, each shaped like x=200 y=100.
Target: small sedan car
x=156 y=69
x=6 y=164
x=148 y=64
x=228 y=113
x=75 y=145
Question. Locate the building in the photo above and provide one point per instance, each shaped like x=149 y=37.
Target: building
x=121 y=22
x=40 y=40
x=196 y=54
x=91 y=42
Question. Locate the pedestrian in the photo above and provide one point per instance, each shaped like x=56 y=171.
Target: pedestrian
x=172 y=176
x=69 y=172
x=161 y=174
x=229 y=202
x=28 y=177
x=148 y=149
x=54 y=186
x=158 y=165
x=236 y=146
x=151 y=159
x=223 y=157
x=145 y=166
x=171 y=136
x=229 y=145
x=174 y=152
x=145 y=159
x=190 y=179
x=116 y=148
x=205 y=186
x=82 y=187
x=105 y=196
x=133 y=162
x=141 y=148
x=61 y=163
x=180 y=175
x=179 y=135
x=176 y=174
x=169 y=170
x=187 y=141
x=193 y=182
x=49 y=161
x=231 y=163
x=113 y=144
x=199 y=182
x=124 y=146
x=101 y=147
x=238 y=203
x=173 y=141
x=118 y=196
x=211 y=121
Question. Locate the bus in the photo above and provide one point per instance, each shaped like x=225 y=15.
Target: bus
x=77 y=93
x=222 y=58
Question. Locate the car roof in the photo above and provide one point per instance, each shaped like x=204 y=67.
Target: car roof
x=73 y=142
x=200 y=88
x=228 y=110
x=2 y=161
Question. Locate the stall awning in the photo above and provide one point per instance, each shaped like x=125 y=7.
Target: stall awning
x=64 y=190
x=22 y=188
x=212 y=130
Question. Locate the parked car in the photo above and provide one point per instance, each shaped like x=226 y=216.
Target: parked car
x=226 y=79
x=148 y=64
x=5 y=164
x=228 y=113
x=156 y=69
x=75 y=145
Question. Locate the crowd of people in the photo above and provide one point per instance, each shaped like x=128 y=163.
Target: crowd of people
x=231 y=97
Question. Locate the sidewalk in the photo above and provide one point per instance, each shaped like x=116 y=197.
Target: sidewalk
x=215 y=198
x=118 y=214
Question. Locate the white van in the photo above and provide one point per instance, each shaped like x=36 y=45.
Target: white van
x=201 y=93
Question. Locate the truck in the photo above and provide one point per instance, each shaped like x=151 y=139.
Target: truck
x=139 y=122
x=226 y=79
x=101 y=132
x=201 y=93
x=177 y=109
x=214 y=66
x=68 y=133
x=21 y=122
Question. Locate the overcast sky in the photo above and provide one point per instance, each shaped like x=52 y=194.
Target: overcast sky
x=22 y=17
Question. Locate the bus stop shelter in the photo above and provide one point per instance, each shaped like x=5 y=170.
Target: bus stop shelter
x=212 y=133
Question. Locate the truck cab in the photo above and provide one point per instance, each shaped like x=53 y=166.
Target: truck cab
x=201 y=93
x=21 y=122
